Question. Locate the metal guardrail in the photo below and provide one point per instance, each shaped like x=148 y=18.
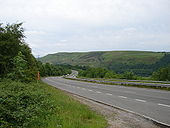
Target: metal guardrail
x=126 y=83
x=74 y=75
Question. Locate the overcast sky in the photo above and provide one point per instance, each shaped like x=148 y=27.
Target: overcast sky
x=53 y=26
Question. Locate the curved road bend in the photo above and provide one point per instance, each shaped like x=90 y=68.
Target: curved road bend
x=151 y=103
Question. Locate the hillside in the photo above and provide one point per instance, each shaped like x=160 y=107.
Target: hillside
x=118 y=61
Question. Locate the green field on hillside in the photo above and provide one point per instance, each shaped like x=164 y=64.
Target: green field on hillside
x=101 y=58
x=142 y=63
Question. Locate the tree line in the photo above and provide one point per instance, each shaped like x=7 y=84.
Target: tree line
x=141 y=69
x=16 y=59
x=162 y=74
x=48 y=69
x=104 y=73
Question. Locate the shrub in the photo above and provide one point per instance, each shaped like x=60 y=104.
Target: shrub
x=110 y=75
x=129 y=75
x=23 y=105
x=162 y=74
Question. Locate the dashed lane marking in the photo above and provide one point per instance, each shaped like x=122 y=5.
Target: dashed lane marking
x=122 y=97
x=98 y=92
x=140 y=100
x=164 y=105
x=108 y=94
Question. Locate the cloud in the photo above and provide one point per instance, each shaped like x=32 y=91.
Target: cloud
x=63 y=40
x=96 y=12
x=86 y=25
x=35 y=32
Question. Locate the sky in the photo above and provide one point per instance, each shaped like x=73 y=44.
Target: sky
x=53 y=26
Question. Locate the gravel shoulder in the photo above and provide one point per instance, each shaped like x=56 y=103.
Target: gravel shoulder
x=115 y=117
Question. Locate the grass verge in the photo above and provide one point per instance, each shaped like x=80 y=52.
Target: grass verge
x=72 y=113
x=38 y=105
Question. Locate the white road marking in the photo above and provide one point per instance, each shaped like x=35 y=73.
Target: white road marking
x=90 y=90
x=78 y=87
x=109 y=94
x=140 y=100
x=164 y=105
x=98 y=92
x=122 y=97
x=83 y=88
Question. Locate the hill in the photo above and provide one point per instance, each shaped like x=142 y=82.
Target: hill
x=140 y=62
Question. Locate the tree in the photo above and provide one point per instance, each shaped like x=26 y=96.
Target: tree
x=11 y=39
x=15 y=55
x=110 y=75
x=162 y=74
x=129 y=75
x=20 y=67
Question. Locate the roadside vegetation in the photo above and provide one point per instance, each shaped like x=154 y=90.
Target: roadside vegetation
x=37 y=105
x=107 y=74
x=48 y=69
x=162 y=74
x=26 y=103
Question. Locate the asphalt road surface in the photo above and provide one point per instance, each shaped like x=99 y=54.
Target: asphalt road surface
x=153 y=104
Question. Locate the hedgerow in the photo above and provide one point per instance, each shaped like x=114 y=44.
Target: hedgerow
x=24 y=105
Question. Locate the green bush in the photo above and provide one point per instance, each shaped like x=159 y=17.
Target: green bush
x=110 y=75
x=52 y=70
x=23 y=105
x=93 y=73
x=162 y=74
x=129 y=75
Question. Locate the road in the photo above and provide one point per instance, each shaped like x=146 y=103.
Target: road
x=153 y=104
